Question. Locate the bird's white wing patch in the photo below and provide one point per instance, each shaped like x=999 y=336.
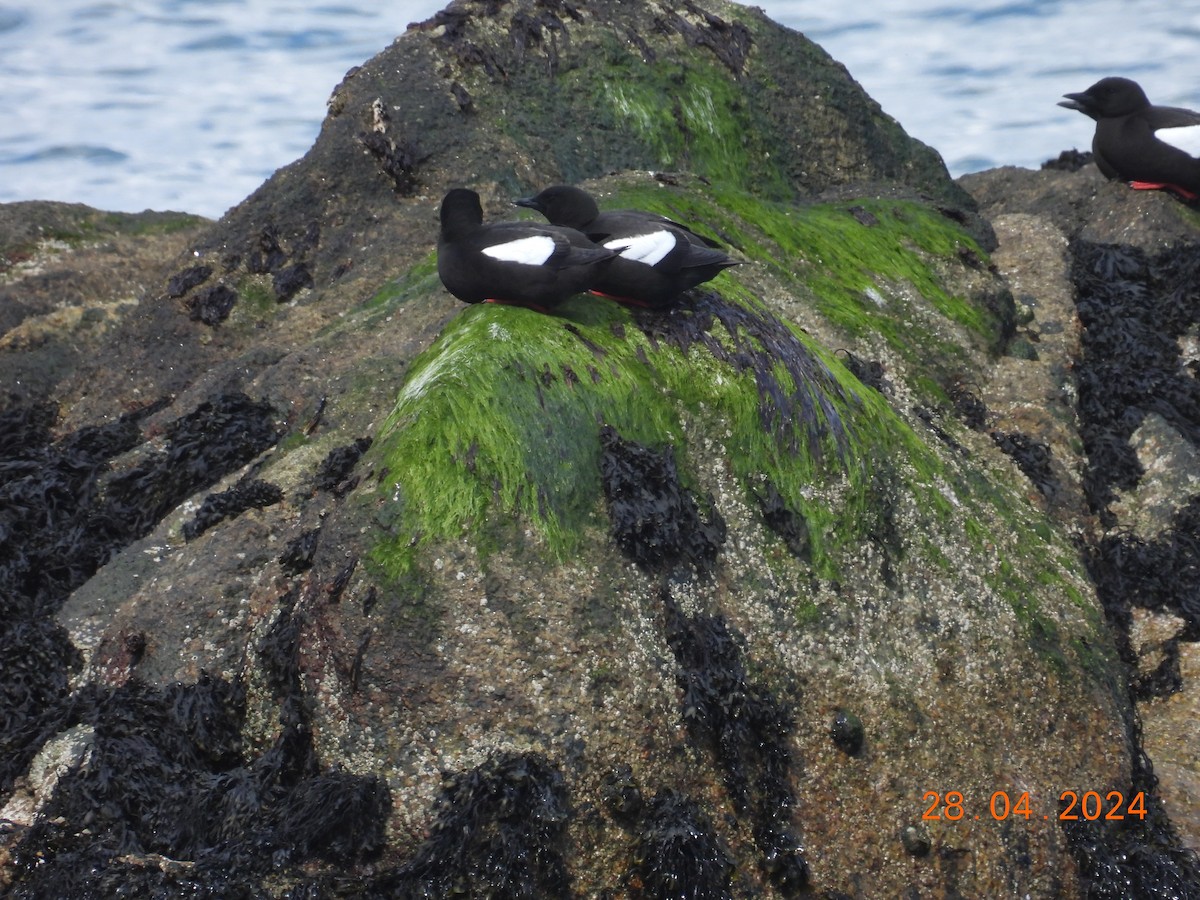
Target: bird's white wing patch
x=647 y=248
x=1186 y=139
x=529 y=251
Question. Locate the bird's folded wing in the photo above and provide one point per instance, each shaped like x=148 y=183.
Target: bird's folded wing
x=1171 y=117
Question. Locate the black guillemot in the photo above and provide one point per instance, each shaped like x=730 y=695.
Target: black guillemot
x=659 y=258
x=516 y=263
x=1125 y=146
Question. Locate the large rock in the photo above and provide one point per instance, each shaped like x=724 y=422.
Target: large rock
x=1130 y=260
x=319 y=583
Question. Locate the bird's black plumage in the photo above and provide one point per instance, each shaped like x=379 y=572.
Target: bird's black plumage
x=1125 y=146
x=659 y=257
x=519 y=263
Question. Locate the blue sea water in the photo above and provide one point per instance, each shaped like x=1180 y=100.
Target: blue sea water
x=191 y=104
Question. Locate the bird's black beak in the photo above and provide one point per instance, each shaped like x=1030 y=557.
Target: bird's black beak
x=1076 y=102
x=528 y=203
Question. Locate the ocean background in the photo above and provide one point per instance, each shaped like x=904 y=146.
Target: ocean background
x=191 y=104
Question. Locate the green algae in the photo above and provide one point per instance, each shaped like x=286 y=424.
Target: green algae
x=849 y=258
x=501 y=418
x=694 y=118
x=502 y=414
x=681 y=114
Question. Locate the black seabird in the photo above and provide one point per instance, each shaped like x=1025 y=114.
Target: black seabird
x=1125 y=146
x=517 y=263
x=659 y=258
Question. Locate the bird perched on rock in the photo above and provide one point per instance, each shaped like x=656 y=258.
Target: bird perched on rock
x=517 y=263
x=1125 y=145
x=659 y=258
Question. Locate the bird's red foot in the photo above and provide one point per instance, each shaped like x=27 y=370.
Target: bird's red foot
x=1163 y=186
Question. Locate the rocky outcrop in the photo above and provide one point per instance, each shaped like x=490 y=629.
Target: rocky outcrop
x=320 y=583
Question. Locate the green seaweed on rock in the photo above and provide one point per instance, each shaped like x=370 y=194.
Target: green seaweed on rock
x=502 y=416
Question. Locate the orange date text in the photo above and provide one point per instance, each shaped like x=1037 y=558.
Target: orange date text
x=952 y=806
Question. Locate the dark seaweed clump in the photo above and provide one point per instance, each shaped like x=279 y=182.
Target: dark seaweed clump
x=678 y=853
x=297 y=557
x=166 y=777
x=1134 y=857
x=1032 y=457
x=786 y=522
x=212 y=305
x=499 y=832
x=1162 y=574
x=800 y=414
x=1133 y=308
x=747 y=730
x=201 y=448
x=291 y=280
x=655 y=519
x=333 y=475
x=182 y=282
x=63 y=514
x=247 y=494
x=869 y=371
x=167 y=803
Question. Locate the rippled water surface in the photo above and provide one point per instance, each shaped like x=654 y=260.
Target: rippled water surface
x=183 y=104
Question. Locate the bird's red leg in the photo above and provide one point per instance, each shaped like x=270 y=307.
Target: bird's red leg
x=1163 y=186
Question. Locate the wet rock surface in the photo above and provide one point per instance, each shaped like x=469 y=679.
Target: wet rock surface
x=317 y=583
x=1125 y=260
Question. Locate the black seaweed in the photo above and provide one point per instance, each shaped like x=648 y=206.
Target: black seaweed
x=297 y=557
x=212 y=305
x=678 y=853
x=333 y=474
x=786 y=522
x=1162 y=574
x=800 y=414
x=655 y=519
x=499 y=832
x=291 y=280
x=1133 y=857
x=166 y=779
x=1133 y=308
x=1032 y=457
x=748 y=731
x=183 y=281
x=246 y=494
x=63 y=514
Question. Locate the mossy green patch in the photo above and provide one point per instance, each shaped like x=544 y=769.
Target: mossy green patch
x=870 y=267
x=807 y=613
x=679 y=114
x=502 y=414
x=501 y=417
